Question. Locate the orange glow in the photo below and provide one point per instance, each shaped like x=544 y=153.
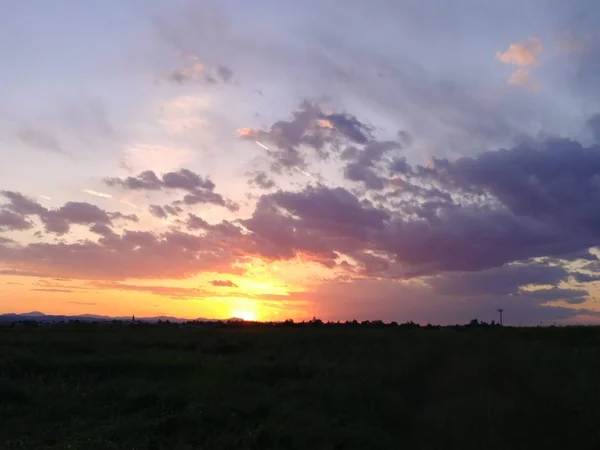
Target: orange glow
x=245 y=314
x=258 y=291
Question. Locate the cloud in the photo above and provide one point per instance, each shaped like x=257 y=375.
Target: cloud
x=309 y=133
x=163 y=291
x=523 y=77
x=477 y=213
x=504 y=280
x=261 y=180
x=363 y=163
x=64 y=291
x=225 y=73
x=11 y=221
x=498 y=226
x=199 y=190
x=522 y=54
x=197 y=223
x=97 y=193
x=132 y=254
x=58 y=220
x=21 y=273
x=194 y=72
x=157 y=211
x=182 y=179
x=162 y=212
x=40 y=139
x=582 y=277
x=223 y=283
x=349 y=126
x=593 y=124
x=84 y=303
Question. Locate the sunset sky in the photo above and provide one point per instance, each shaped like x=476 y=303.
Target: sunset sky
x=270 y=159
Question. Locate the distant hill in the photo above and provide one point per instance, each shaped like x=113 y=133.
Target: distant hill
x=41 y=317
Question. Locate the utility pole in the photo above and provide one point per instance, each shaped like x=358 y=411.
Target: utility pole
x=500 y=311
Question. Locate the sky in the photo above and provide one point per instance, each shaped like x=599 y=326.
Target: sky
x=396 y=160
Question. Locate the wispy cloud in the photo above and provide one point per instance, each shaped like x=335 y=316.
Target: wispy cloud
x=40 y=139
x=523 y=77
x=97 y=193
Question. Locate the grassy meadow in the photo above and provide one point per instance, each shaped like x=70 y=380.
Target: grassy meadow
x=310 y=387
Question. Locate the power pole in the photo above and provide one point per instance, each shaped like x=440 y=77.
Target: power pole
x=500 y=311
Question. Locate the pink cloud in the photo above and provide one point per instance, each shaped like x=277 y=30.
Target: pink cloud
x=521 y=54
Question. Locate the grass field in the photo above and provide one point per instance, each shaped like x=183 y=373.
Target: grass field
x=106 y=387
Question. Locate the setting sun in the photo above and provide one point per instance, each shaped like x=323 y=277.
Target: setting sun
x=245 y=314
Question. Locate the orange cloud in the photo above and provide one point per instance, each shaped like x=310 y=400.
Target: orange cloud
x=521 y=54
x=523 y=77
x=247 y=133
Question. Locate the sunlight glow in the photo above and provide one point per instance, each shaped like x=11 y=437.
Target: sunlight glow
x=245 y=314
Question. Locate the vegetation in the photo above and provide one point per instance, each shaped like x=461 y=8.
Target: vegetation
x=298 y=386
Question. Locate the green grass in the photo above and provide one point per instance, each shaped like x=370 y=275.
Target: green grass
x=105 y=387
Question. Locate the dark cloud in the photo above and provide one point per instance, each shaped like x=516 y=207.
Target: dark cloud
x=505 y=280
x=593 y=124
x=121 y=216
x=506 y=205
x=399 y=165
x=573 y=296
x=261 y=180
x=102 y=229
x=59 y=220
x=199 y=190
x=146 y=180
x=557 y=181
x=196 y=223
x=225 y=73
x=21 y=204
x=157 y=211
x=310 y=133
x=364 y=165
x=349 y=126
x=162 y=212
x=582 y=277
x=223 y=283
x=11 y=221
x=186 y=180
x=208 y=197
x=369 y=177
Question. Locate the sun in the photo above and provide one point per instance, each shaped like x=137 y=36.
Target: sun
x=246 y=314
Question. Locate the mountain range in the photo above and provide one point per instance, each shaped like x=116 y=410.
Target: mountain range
x=41 y=317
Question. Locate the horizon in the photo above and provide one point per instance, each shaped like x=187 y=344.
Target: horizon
x=480 y=321
x=268 y=162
